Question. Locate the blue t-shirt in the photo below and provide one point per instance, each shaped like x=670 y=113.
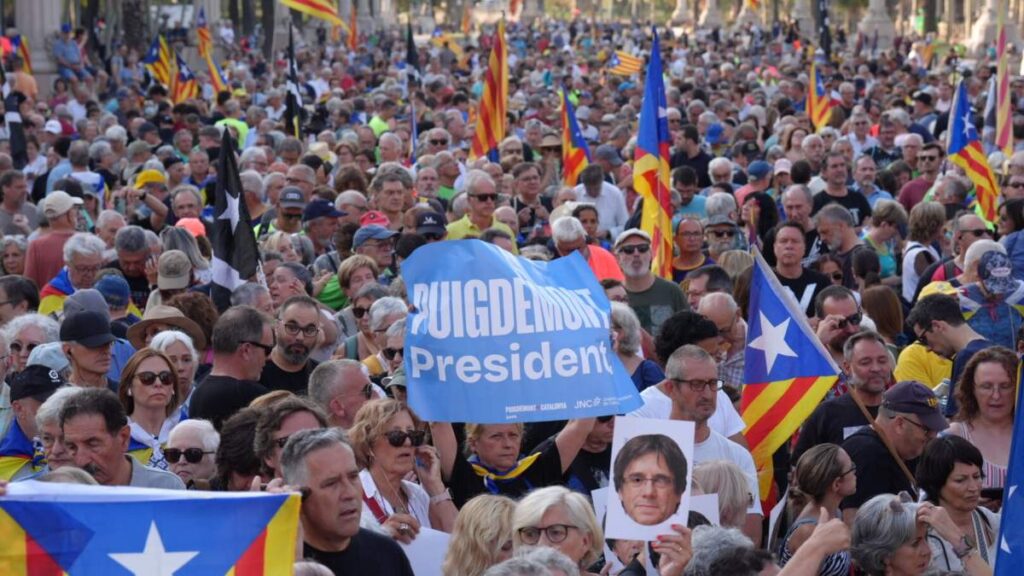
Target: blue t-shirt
x=695 y=207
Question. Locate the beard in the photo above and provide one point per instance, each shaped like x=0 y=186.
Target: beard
x=636 y=269
x=296 y=353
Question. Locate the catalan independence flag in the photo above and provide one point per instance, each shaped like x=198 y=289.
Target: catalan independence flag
x=159 y=60
x=186 y=87
x=322 y=9
x=217 y=78
x=786 y=374
x=51 y=529
x=21 y=49
x=624 y=64
x=1010 y=553
x=490 y=123
x=575 y=152
x=965 y=151
x=1004 y=119
x=651 y=169
x=819 y=102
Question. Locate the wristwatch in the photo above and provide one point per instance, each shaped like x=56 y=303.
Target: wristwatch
x=963 y=548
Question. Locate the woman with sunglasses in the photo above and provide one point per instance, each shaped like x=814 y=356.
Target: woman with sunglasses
x=363 y=344
x=354 y=272
x=150 y=393
x=389 y=441
x=824 y=475
x=24 y=334
x=190 y=452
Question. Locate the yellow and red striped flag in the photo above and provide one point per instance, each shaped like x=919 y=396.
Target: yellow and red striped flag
x=490 y=124
x=353 y=29
x=651 y=168
x=819 y=102
x=965 y=151
x=786 y=374
x=322 y=9
x=1004 y=120
x=624 y=64
x=467 y=18
x=186 y=87
x=575 y=152
x=21 y=49
x=217 y=78
x=159 y=60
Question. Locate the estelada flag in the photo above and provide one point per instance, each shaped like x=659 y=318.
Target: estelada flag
x=786 y=374
x=624 y=64
x=575 y=152
x=322 y=9
x=965 y=151
x=66 y=528
x=819 y=103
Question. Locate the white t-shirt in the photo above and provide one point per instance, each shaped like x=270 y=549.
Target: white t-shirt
x=726 y=420
x=419 y=502
x=718 y=447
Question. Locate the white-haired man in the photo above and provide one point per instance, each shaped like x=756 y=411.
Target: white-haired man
x=190 y=451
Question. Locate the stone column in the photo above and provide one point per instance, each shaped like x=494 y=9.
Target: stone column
x=39 y=22
x=712 y=16
x=681 y=15
x=984 y=30
x=364 y=19
x=878 y=20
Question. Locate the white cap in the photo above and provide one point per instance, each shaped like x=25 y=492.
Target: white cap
x=53 y=127
x=58 y=203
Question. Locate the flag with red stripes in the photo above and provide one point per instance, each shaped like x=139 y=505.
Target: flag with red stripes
x=965 y=151
x=490 y=123
x=819 y=101
x=575 y=152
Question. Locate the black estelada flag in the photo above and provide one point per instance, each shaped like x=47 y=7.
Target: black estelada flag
x=235 y=255
x=293 y=99
x=412 y=57
x=825 y=39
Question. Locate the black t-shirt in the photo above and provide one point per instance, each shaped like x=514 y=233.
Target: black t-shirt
x=831 y=422
x=367 y=553
x=217 y=398
x=877 y=471
x=517 y=205
x=138 y=286
x=274 y=378
x=854 y=201
x=806 y=288
x=588 y=472
x=545 y=471
x=699 y=163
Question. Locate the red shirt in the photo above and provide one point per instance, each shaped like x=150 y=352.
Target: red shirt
x=45 y=257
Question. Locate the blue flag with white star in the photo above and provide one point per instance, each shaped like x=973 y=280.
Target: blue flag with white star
x=1010 y=554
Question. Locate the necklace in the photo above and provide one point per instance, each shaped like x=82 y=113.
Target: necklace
x=398 y=501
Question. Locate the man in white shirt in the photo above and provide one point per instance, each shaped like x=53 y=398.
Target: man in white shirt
x=609 y=200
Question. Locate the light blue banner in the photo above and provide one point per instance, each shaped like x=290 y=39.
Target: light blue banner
x=495 y=338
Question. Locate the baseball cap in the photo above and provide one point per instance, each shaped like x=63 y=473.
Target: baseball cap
x=320 y=208
x=193 y=225
x=627 y=234
x=87 y=299
x=430 y=223
x=174 y=270
x=88 y=328
x=58 y=203
x=608 y=153
x=715 y=134
x=783 y=166
x=371 y=232
x=911 y=397
x=719 y=220
x=747 y=148
x=374 y=217
x=114 y=290
x=550 y=141
x=396 y=379
x=50 y=355
x=923 y=97
x=37 y=382
x=149 y=177
x=996 y=273
x=759 y=169
x=292 y=197
x=583 y=113
x=53 y=127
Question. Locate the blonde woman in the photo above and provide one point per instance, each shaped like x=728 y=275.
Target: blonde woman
x=726 y=479
x=482 y=536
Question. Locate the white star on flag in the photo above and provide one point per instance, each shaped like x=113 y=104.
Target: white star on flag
x=153 y=560
x=968 y=128
x=231 y=212
x=772 y=341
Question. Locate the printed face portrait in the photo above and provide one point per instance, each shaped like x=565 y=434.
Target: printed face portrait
x=650 y=478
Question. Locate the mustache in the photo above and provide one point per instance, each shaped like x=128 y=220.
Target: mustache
x=90 y=469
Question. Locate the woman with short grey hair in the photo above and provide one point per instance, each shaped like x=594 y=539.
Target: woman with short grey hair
x=626 y=343
x=25 y=333
x=13 y=249
x=383 y=314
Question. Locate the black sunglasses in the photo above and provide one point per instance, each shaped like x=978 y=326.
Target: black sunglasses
x=359 y=312
x=851 y=320
x=722 y=233
x=979 y=232
x=635 y=249
x=432 y=236
x=266 y=349
x=390 y=353
x=397 y=437
x=485 y=197
x=149 y=378
x=287 y=216
x=837 y=276
x=16 y=347
x=439 y=142
x=192 y=455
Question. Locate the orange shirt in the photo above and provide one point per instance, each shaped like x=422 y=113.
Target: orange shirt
x=603 y=264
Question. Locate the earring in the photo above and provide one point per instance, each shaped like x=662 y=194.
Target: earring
x=129 y=392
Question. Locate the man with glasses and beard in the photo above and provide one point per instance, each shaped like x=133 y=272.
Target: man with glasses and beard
x=653 y=299
x=298 y=333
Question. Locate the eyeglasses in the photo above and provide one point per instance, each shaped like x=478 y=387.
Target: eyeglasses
x=722 y=233
x=17 y=347
x=485 y=197
x=439 y=142
x=853 y=468
x=150 y=378
x=288 y=216
x=990 y=387
x=85 y=269
x=390 y=353
x=851 y=320
x=917 y=425
x=659 y=481
x=700 y=385
x=308 y=331
x=635 y=249
x=432 y=236
x=359 y=312
x=397 y=437
x=926 y=157
x=280 y=442
x=923 y=337
x=513 y=151
x=1016 y=184
x=979 y=232
x=266 y=349
x=192 y=455
x=555 y=533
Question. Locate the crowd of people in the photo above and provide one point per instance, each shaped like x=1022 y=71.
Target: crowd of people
x=117 y=362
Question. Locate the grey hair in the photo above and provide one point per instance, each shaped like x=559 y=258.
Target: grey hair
x=251 y=154
x=460 y=205
x=152 y=240
x=548 y=557
x=372 y=290
x=567 y=229
x=711 y=543
x=801 y=189
x=252 y=183
x=882 y=525
x=311 y=568
x=720 y=161
x=581 y=514
x=396 y=329
x=626 y=319
x=475 y=178
x=720 y=204
x=270 y=178
x=17 y=240
x=183 y=188
x=174 y=238
x=385 y=307
x=49 y=411
x=108 y=216
x=978 y=249
x=99 y=149
x=391 y=172
x=857 y=338
x=209 y=435
x=673 y=368
x=321 y=381
x=131 y=239
x=718 y=300
x=49 y=327
x=303 y=443
x=165 y=338
x=836 y=213
x=117 y=133
x=247 y=293
x=519 y=567
x=83 y=244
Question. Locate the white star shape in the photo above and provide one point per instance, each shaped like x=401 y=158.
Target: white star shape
x=231 y=212
x=1004 y=545
x=772 y=341
x=154 y=560
x=967 y=125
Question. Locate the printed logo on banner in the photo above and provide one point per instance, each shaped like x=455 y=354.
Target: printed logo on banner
x=496 y=338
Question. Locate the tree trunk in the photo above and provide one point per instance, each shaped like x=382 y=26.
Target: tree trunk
x=134 y=36
x=234 y=13
x=268 y=29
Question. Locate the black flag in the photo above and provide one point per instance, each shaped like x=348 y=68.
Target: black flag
x=825 y=25
x=412 y=57
x=12 y=117
x=293 y=99
x=235 y=255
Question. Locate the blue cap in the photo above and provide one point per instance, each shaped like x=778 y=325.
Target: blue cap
x=114 y=290
x=65 y=28
x=759 y=169
x=320 y=208
x=371 y=232
x=714 y=134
